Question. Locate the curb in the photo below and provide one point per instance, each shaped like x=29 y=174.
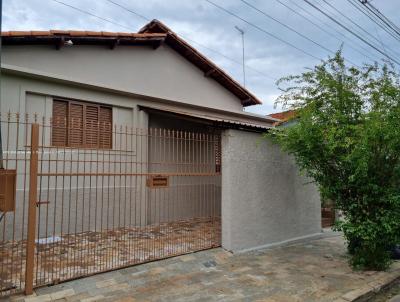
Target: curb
x=368 y=291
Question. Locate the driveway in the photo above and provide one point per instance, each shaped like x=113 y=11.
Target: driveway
x=315 y=270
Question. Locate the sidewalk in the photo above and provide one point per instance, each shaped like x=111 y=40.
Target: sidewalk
x=315 y=270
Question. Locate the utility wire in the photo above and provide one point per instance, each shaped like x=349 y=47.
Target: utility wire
x=351 y=31
x=262 y=30
x=359 y=7
x=324 y=30
x=147 y=19
x=373 y=40
x=129 y=10
x=286 y=26
x=381 y=16
x=266 y=32
x=372 y=17
x=90 y=14
x=358 y=26
x=338 y=32
x=388 y=24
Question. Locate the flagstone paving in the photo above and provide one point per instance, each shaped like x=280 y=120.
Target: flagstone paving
x=315 y=270
x=80 y=254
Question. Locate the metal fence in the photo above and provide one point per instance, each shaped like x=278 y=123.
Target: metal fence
x=80 y=210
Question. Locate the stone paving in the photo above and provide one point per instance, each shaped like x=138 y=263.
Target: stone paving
x=76 y=255
x=315 y=270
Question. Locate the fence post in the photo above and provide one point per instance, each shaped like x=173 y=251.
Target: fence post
x=30 y=243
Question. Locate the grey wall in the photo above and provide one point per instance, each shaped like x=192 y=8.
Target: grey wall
x=265 y=200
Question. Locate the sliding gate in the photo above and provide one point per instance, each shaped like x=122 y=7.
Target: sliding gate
x=108 y=197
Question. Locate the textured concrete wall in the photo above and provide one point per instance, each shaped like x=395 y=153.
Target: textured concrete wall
x=264 y=199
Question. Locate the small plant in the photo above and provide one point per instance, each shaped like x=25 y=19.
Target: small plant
x=347 y=138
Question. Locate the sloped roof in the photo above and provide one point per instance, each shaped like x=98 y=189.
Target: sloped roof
x=202 y=62
x=153 y=34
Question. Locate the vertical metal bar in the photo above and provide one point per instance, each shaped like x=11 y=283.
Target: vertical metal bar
x=187 y=190
x=16 y=169
x=30 y=243
x=55 y=207
x=47 y=187
x=103 y=164
x=136 y=227
x=168 y=202
x=39 y=198
x=24 y=186
x=61 y=267
x=91 y=252
x=142 y=197
x=173 y=188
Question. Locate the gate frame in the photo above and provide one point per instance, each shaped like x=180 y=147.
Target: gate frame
x=30 y=242
x=26 y=277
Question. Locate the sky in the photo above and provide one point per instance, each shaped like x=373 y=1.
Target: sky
x=212 y=31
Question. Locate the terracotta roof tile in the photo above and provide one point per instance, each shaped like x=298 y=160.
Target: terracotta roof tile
x=39 y=33
x=93 y=33
x=59 y=32
x=108 y=34
x=78 y=33
x=125 y=34
x=20 y=33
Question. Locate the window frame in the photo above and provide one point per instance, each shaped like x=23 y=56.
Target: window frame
x=84 y=129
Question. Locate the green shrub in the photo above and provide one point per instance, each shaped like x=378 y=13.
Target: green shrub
x=347 y=138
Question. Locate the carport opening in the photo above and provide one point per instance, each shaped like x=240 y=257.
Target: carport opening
x=191 y=161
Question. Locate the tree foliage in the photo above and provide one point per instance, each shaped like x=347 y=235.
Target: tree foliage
x=347 y=138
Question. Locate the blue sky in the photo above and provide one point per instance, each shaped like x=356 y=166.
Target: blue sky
x=203 y=24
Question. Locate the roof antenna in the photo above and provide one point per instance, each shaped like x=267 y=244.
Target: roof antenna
x=241 y=31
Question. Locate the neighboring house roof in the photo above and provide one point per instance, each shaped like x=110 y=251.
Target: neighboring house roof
x=284 y=115
x=154 y=33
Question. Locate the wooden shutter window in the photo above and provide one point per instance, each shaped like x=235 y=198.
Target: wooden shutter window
x=59 y=123
x=92 y=126
x=78 y=124
x=105 y=128
x=75 y=125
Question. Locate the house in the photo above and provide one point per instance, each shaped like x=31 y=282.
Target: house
x=143 y=152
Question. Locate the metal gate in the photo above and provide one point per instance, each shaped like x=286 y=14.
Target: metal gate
x=80 y=210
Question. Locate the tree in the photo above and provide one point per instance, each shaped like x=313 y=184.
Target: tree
x=347 y=139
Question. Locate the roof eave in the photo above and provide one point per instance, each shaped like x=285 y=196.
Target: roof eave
x=245 y=96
